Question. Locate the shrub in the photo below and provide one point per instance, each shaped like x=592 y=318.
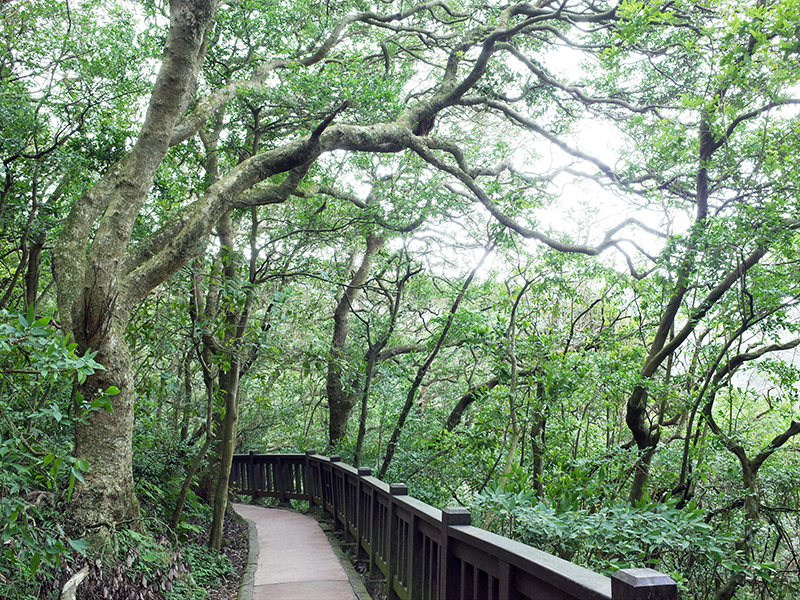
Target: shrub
x=37 y=414
x=657 y=535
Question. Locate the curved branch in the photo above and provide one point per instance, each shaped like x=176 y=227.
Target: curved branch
x=398 y=350
x=464 y=177
x=572 y=90
x=531 y=126
x=211 y=104
x=475 y=394
x=729 y=131
x=121 y=191
x=737 y=361
x=707 y=304
x=353 y=199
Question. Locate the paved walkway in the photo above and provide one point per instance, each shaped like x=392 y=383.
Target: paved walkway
x=295 y=559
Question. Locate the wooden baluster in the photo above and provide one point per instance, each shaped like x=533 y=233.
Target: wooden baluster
x=251 y=473
x=309 y=485
x=335 y=491
x=363 y=515
x=282 y=479
x=416 y=555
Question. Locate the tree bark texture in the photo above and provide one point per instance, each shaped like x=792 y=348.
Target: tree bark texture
x=104 y=440
x=93 y=297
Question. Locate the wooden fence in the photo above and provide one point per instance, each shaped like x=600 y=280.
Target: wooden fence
x=426 y=553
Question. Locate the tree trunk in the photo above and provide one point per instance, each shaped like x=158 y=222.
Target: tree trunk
x=340 y=400
x=103 y=439
x=95 y=294
x=641 y=473
x=372 y=358
x=187 y=481
x=235 y=323
x=374 y=353
x=537 y=449
x=198 y=458
x=227 y=445
x=423 y=369
x=34 y=270
x=750 y=468
x=646 y=440
x=511 y=351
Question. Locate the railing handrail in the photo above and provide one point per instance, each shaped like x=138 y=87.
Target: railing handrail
x=426 y=553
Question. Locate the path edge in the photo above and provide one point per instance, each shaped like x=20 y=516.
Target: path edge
x=356 y=581
x=249 y=577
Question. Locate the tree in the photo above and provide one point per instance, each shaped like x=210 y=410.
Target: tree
x=99 y=285
x=98 y=289
x=66 y=89
x=713 y=158
x=340 y=399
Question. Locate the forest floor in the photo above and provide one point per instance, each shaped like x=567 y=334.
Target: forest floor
x=119 y=581
x=235 y=546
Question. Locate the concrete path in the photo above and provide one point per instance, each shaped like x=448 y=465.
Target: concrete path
x=295 y=559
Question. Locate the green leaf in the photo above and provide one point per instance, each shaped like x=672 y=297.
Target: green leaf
x=79 y=545
x=77 y=475
x=30 y=314
x=35 y=561
x=71 y=485
x=43 y=322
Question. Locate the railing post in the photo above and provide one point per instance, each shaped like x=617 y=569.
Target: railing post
x=251 y=472
x=308 y=477
x=335 y=458
x=395 y=489
x=282 y=479
x=449 y=573
x=642 y=584
x=363 y=514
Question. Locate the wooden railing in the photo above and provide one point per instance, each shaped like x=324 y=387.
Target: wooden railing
x=426 y=553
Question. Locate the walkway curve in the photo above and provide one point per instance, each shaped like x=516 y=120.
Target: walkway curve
x=295 y=559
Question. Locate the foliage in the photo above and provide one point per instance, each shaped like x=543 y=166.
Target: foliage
x=207 y=566
x=37 y=471
x=34 y=541
x=617 y=535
